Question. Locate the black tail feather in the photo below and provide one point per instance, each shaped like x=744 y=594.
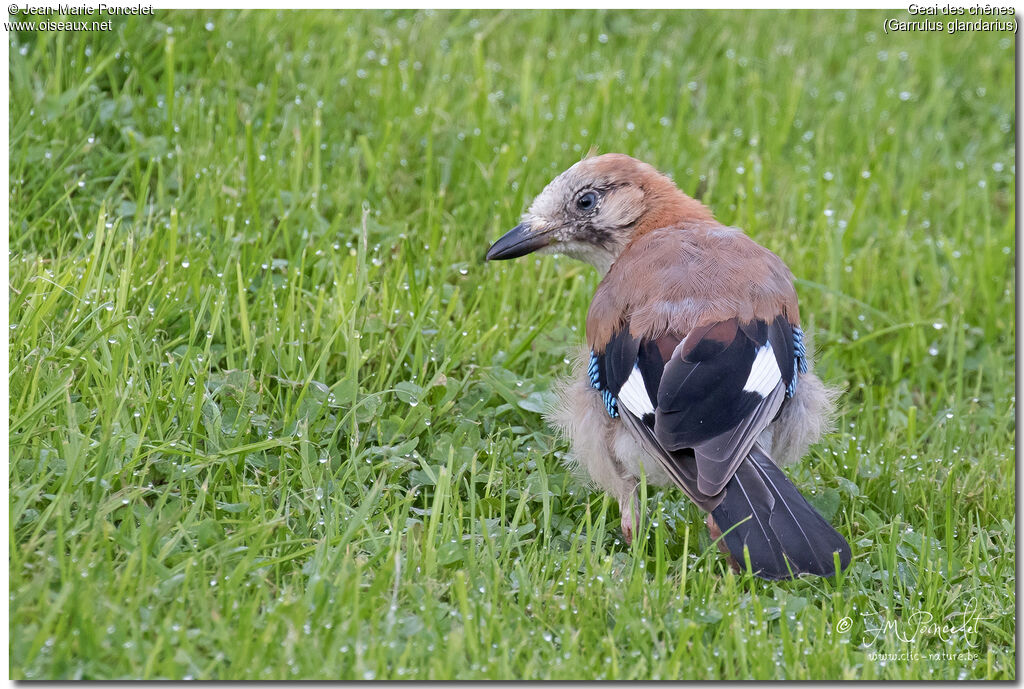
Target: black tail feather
x=785 y=536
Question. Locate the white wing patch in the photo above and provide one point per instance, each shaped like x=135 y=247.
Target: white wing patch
x=633 y=395
x=764 y=372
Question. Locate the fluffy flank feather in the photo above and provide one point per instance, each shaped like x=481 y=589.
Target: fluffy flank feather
x=805 y=417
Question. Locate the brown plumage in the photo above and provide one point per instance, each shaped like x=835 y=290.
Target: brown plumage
x=696 y=367
x=689 y=274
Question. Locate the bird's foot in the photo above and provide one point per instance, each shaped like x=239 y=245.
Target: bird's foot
x=716 y=536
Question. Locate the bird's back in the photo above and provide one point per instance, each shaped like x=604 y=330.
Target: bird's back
x=675 y=278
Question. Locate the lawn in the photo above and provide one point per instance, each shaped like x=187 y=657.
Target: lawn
x=273 y=417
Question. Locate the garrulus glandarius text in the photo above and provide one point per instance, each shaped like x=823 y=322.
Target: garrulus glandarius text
x=696 y=372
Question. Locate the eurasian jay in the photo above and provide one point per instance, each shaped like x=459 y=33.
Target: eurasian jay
x=696 y=372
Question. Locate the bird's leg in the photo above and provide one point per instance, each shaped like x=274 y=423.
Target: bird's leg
x=716 y=535
x=630 y=515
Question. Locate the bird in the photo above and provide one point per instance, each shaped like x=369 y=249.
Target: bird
x=695 y=373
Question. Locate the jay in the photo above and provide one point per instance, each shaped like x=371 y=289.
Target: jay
x=697 y=373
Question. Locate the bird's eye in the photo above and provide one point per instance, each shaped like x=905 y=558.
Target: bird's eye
x=586 y=201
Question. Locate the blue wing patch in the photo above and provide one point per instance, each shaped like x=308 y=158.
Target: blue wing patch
x=611 y=404
x=799 y=359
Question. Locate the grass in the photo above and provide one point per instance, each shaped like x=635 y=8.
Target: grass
x=271 y=416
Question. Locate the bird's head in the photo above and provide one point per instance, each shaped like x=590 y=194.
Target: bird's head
x=592 y=211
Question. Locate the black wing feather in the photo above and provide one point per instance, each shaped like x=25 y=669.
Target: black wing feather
x=615 y=363
x=700 y=399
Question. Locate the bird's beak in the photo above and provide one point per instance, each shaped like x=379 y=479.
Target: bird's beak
x=519 y=241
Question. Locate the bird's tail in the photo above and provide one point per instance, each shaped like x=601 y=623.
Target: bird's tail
x=785 y=536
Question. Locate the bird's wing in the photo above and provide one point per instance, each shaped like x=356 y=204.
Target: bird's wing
x=699 y=402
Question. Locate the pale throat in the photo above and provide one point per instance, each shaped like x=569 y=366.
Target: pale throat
x=601 y=258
